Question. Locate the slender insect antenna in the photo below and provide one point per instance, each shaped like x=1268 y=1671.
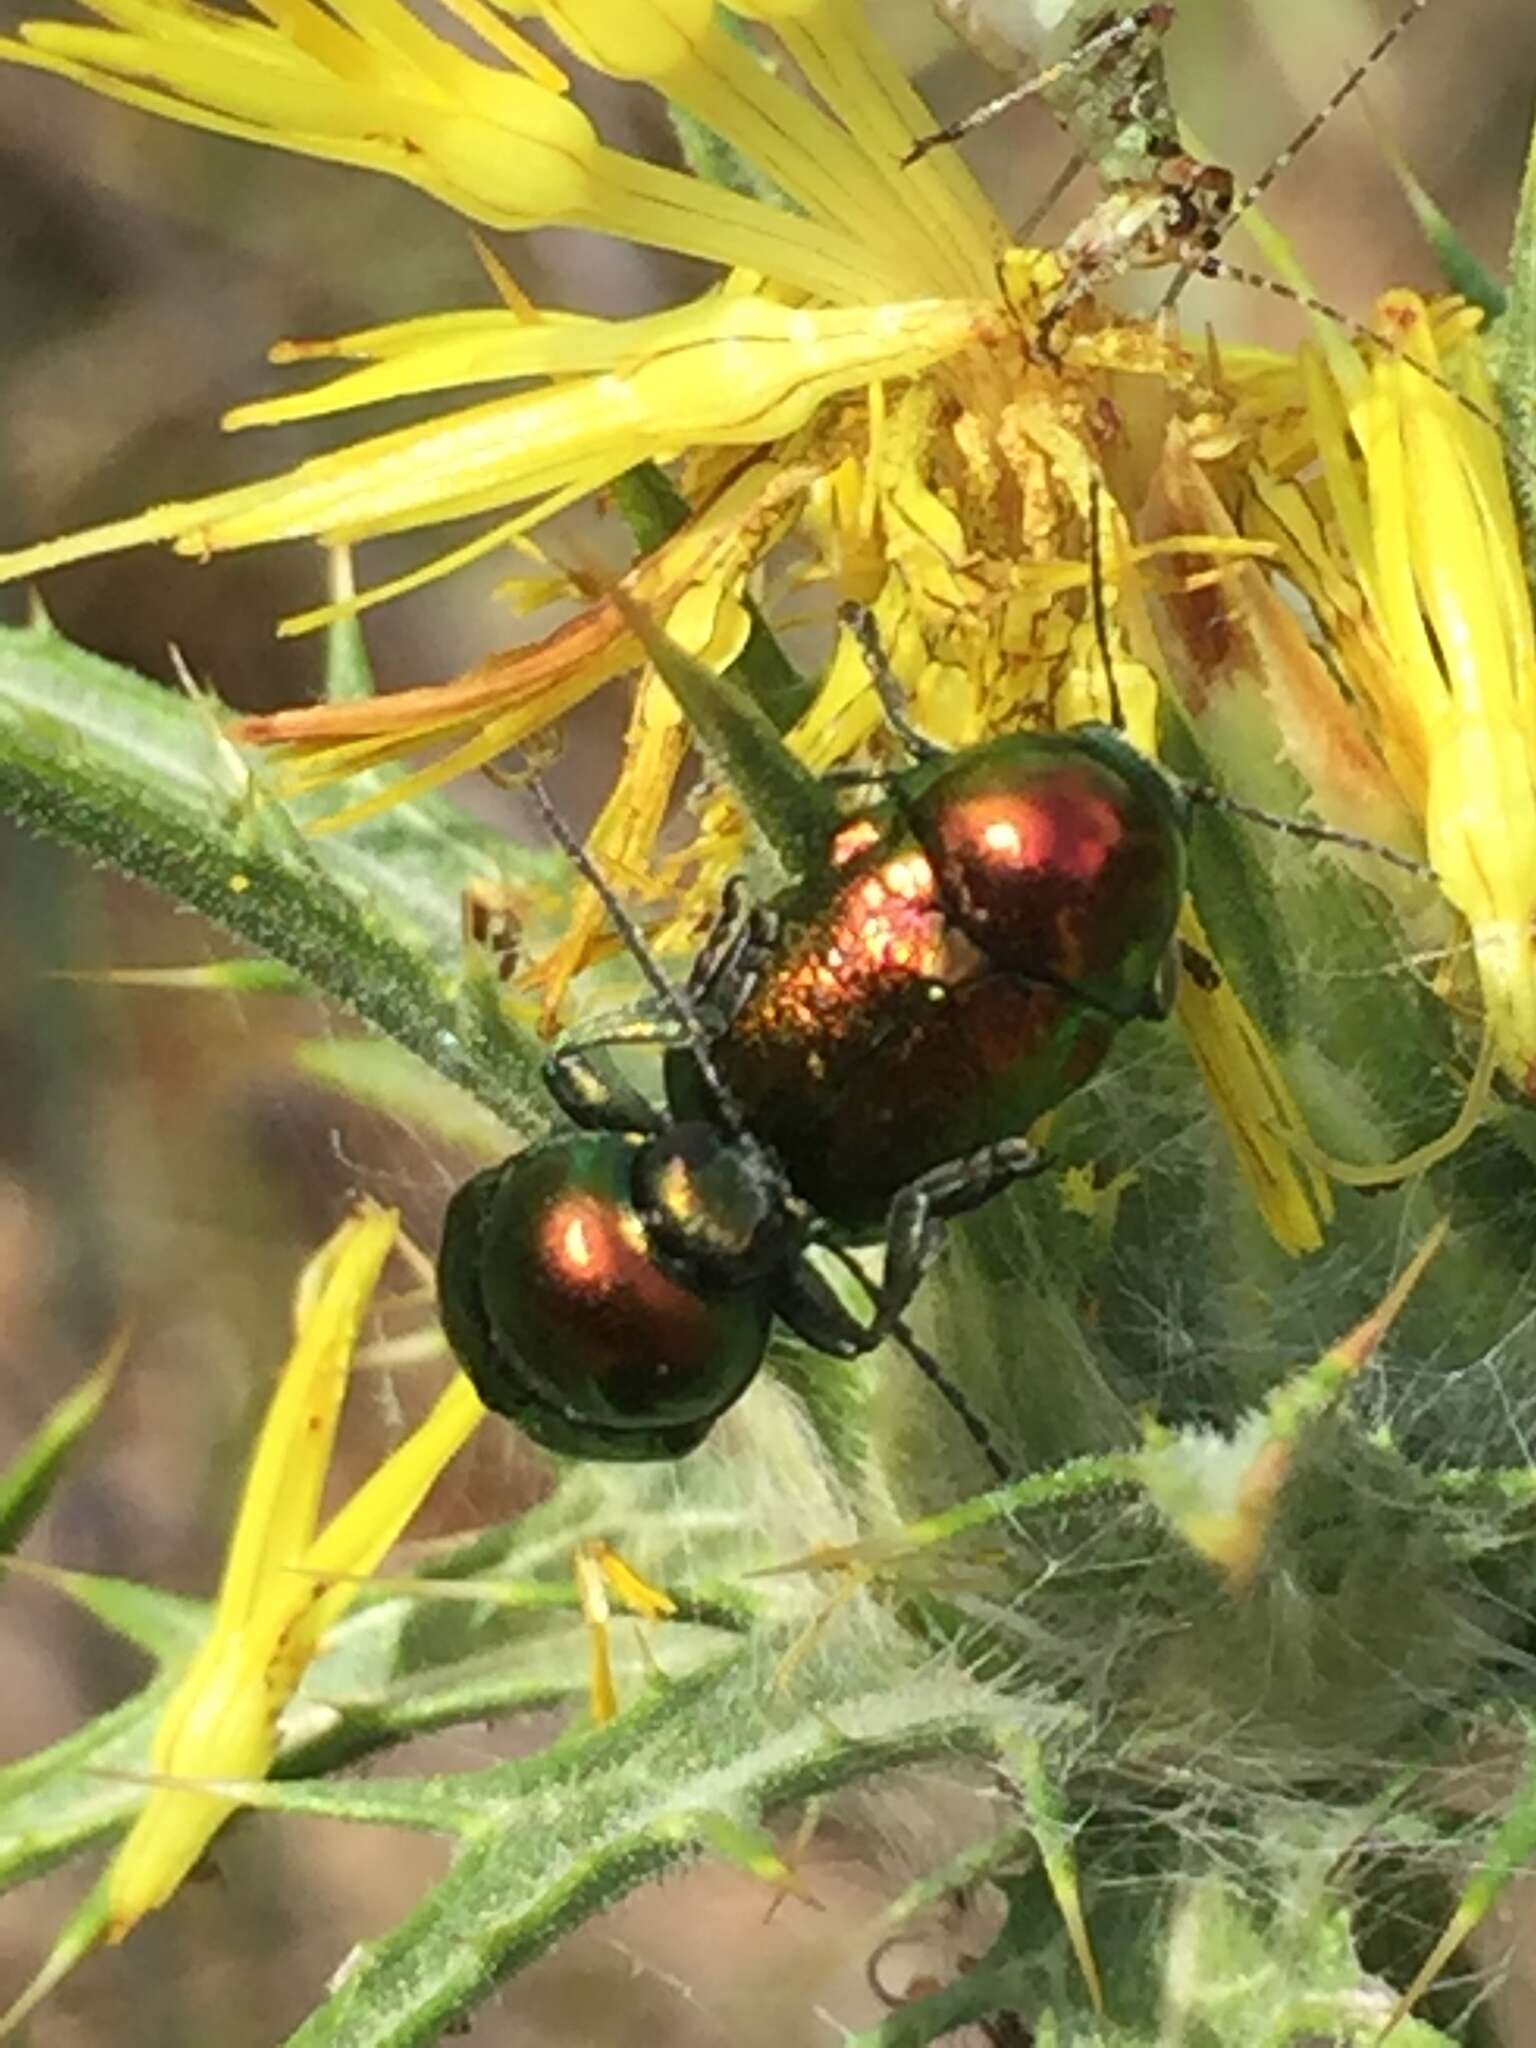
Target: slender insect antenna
x=1326 y=112
x=1143 y=20
x=1214 y=266
x=1066 y=176
x=1306 y=828
x=671 y=998
x=861 y=623
x=1236 y=273
x=1203 y=792
x=954 y=1397
x=1096 y=602
x=1250 y=197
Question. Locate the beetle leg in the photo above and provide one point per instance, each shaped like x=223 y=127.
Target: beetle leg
x=594 y=1098
x=913 y=1234
x=727 y=968
x=914 y=1226
x=723 y=941
x=808 y=1305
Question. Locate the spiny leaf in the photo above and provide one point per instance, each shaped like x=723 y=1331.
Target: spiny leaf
x=61 y=1798
x=1459 y=264
x=27 y=1483
x=795 y=812
x=136 y=776
x=1507 y=1855
x=655 y=509
x=348 y=669
x=569 y=1833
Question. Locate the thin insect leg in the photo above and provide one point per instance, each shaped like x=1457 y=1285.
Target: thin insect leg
x=1157 y=20
x=1065 y=177
x=1235 y=273
x=860 y=622
x=594 y=1098
x=1306 y=828
x=723 y=943
x=1096 y=599
x=728 y=964
x=1298 y=142
x=914 y=1227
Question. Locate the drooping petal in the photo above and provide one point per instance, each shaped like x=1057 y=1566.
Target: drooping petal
x=283 y=1584
x=221 y=1721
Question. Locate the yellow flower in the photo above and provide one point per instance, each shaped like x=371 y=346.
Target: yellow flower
x=899 y=263
x=286 y=1583
x=866 y=377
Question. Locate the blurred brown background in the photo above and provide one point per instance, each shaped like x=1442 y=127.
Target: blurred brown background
x=158 y=1154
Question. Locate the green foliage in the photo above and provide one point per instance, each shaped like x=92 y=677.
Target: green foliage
x=140 y=778
x=1220 y=1660
x=1215 y=1723
x=28 y=1481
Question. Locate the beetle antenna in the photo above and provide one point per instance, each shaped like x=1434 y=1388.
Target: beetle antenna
x=671 y=998
x=956 y=1399
x=1205 y=793
x=863 y=625
x=1096 y=603
x=1305 y=828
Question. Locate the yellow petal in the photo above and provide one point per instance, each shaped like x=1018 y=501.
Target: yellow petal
x=647 y=39
x=734 y=372
x=280 y=1501
x=221 y=1720
x=1262 y=1117
x=374 y=1519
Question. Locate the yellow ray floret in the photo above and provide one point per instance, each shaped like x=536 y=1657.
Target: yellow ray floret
x=286 y=1583
x=1425 y=524
x=732 y=371
x=274 y=1605
x=374 y=86
x=499 y=142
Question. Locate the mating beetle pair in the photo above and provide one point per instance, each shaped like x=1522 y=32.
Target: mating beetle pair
x=855 y=1060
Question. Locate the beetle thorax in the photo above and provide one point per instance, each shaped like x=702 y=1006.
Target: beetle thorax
x=717 y=1205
